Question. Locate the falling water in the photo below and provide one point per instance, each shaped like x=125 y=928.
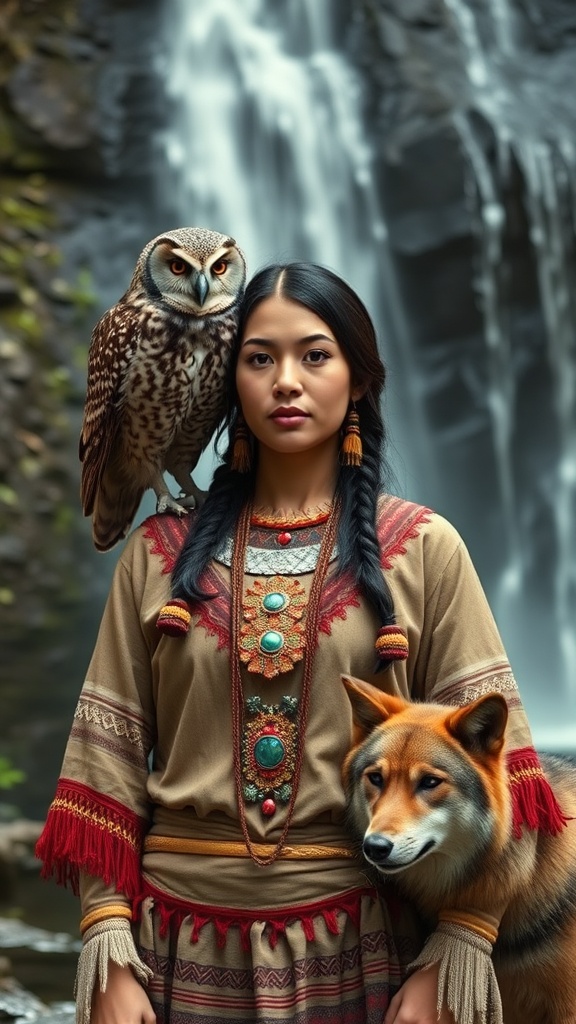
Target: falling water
x=535 y=126
x=266 y=142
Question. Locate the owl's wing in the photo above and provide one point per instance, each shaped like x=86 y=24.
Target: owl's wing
x=114 y=341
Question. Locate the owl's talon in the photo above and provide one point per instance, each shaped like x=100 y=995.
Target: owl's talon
x=192 y=500
x=166 y=503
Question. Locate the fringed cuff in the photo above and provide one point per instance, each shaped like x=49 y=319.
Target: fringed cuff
x=105 y=941
x=466 y=978
x=90 y=831
x=533 y=801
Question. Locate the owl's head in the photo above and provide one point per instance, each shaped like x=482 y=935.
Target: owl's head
x=193 y=270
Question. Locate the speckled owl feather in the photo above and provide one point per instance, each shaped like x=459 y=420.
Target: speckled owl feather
x=156 y=376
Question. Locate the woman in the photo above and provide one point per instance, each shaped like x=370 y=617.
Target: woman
x=200 y=793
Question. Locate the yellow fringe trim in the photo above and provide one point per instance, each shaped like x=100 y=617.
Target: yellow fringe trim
x=216 y=848
x=103 y=914
x=62 y=804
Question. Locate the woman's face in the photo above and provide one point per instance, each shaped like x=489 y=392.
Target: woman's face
x=293 y=381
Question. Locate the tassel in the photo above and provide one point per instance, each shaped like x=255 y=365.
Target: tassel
x=466 y=978
x=108 y=940
x=351 y=451
x=533 y=801
x=392 y=643
x=241 y=454
x=174 y=618
x=90 y=831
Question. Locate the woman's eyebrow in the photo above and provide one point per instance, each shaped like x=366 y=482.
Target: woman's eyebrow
x=268 y=343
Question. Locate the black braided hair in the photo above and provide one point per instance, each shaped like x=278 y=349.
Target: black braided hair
x=358 y=487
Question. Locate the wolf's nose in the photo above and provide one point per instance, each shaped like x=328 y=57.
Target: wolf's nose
x=377 y=848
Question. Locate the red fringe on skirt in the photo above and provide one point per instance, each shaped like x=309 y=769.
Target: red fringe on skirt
x=173 y=911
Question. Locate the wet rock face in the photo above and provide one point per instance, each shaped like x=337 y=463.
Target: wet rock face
x=474 y=129
x=73 y=78
x=78 y=109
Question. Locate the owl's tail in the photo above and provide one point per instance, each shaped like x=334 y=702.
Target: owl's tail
x=115 y=505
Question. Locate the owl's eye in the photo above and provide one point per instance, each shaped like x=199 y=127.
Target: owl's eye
x=220 y=267
x=178 y=267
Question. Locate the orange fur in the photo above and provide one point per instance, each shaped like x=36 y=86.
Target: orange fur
x=429 y=800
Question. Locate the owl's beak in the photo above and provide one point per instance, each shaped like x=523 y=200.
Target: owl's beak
x=200 y=287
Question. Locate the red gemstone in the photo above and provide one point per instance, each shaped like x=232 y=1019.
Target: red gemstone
x=268 y=807
x=284 y=537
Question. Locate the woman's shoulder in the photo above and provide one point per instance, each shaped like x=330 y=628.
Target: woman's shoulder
x=402 y=524
x=158 y=539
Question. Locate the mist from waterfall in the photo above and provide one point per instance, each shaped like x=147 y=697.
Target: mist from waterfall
x=265 y=140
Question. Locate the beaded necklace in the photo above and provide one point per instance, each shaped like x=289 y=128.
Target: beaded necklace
x=311 y=638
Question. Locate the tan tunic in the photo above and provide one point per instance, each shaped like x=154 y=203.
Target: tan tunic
x=147 y=692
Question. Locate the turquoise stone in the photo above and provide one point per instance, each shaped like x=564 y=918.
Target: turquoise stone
x=269 y=751
x=275 y=602
x=271 y=642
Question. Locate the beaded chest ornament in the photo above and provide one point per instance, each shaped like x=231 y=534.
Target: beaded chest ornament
x=268 y=740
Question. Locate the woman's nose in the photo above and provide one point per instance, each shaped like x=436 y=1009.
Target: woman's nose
x=287 y=379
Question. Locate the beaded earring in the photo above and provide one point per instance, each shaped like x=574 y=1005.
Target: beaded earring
x=241 y=454
x=351 y=451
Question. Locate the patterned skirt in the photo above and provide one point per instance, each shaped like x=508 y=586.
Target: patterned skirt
x=336 y=961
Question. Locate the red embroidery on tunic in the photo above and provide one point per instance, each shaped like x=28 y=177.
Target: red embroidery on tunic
x=398 y=522
x=167 y=534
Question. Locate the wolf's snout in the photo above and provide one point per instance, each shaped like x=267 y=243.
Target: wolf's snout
x=377 y=848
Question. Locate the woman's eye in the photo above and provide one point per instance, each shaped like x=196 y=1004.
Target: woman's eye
x=260 y=359
x=178 y=267
x=219 y=268
x=316 y=355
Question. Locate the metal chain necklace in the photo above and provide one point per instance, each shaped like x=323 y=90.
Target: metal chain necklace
x=311 y=640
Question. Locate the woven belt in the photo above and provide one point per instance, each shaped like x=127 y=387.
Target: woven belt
x=215 y=848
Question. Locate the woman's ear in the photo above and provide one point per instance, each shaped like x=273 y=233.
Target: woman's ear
x=358 y=392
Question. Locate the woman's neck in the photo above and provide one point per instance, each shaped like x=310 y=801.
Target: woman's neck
x=296 y=481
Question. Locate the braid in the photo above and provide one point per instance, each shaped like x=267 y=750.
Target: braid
x=359 y=488
x=216 y=519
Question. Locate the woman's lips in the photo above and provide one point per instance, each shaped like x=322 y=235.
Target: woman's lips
x=289 y=416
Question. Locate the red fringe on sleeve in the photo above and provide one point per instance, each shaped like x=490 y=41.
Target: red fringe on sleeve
x=90 y=831
x=533 y=800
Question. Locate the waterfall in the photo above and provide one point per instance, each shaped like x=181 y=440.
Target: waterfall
x=265 y=141
x=534 y=127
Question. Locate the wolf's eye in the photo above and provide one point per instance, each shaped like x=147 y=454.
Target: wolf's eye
x=429 y=782
x=375 y=779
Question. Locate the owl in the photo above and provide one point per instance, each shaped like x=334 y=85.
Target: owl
x=156 y=378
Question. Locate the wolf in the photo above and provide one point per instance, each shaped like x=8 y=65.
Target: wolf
x=429 y=803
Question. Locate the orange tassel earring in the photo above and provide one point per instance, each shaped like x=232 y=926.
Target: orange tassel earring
x=241 y=454
x=351 y=451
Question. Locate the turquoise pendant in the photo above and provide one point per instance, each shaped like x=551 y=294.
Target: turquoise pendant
x=275 y=602
x=271 y=641
x=269 y=751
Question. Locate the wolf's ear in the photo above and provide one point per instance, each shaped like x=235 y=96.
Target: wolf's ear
x=480 y=726
x=370 y=707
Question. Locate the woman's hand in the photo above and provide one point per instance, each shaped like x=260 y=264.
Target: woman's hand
x=123 y=1002
x=416 y=1001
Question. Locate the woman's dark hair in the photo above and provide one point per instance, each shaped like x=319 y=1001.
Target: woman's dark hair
x=358 y=487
